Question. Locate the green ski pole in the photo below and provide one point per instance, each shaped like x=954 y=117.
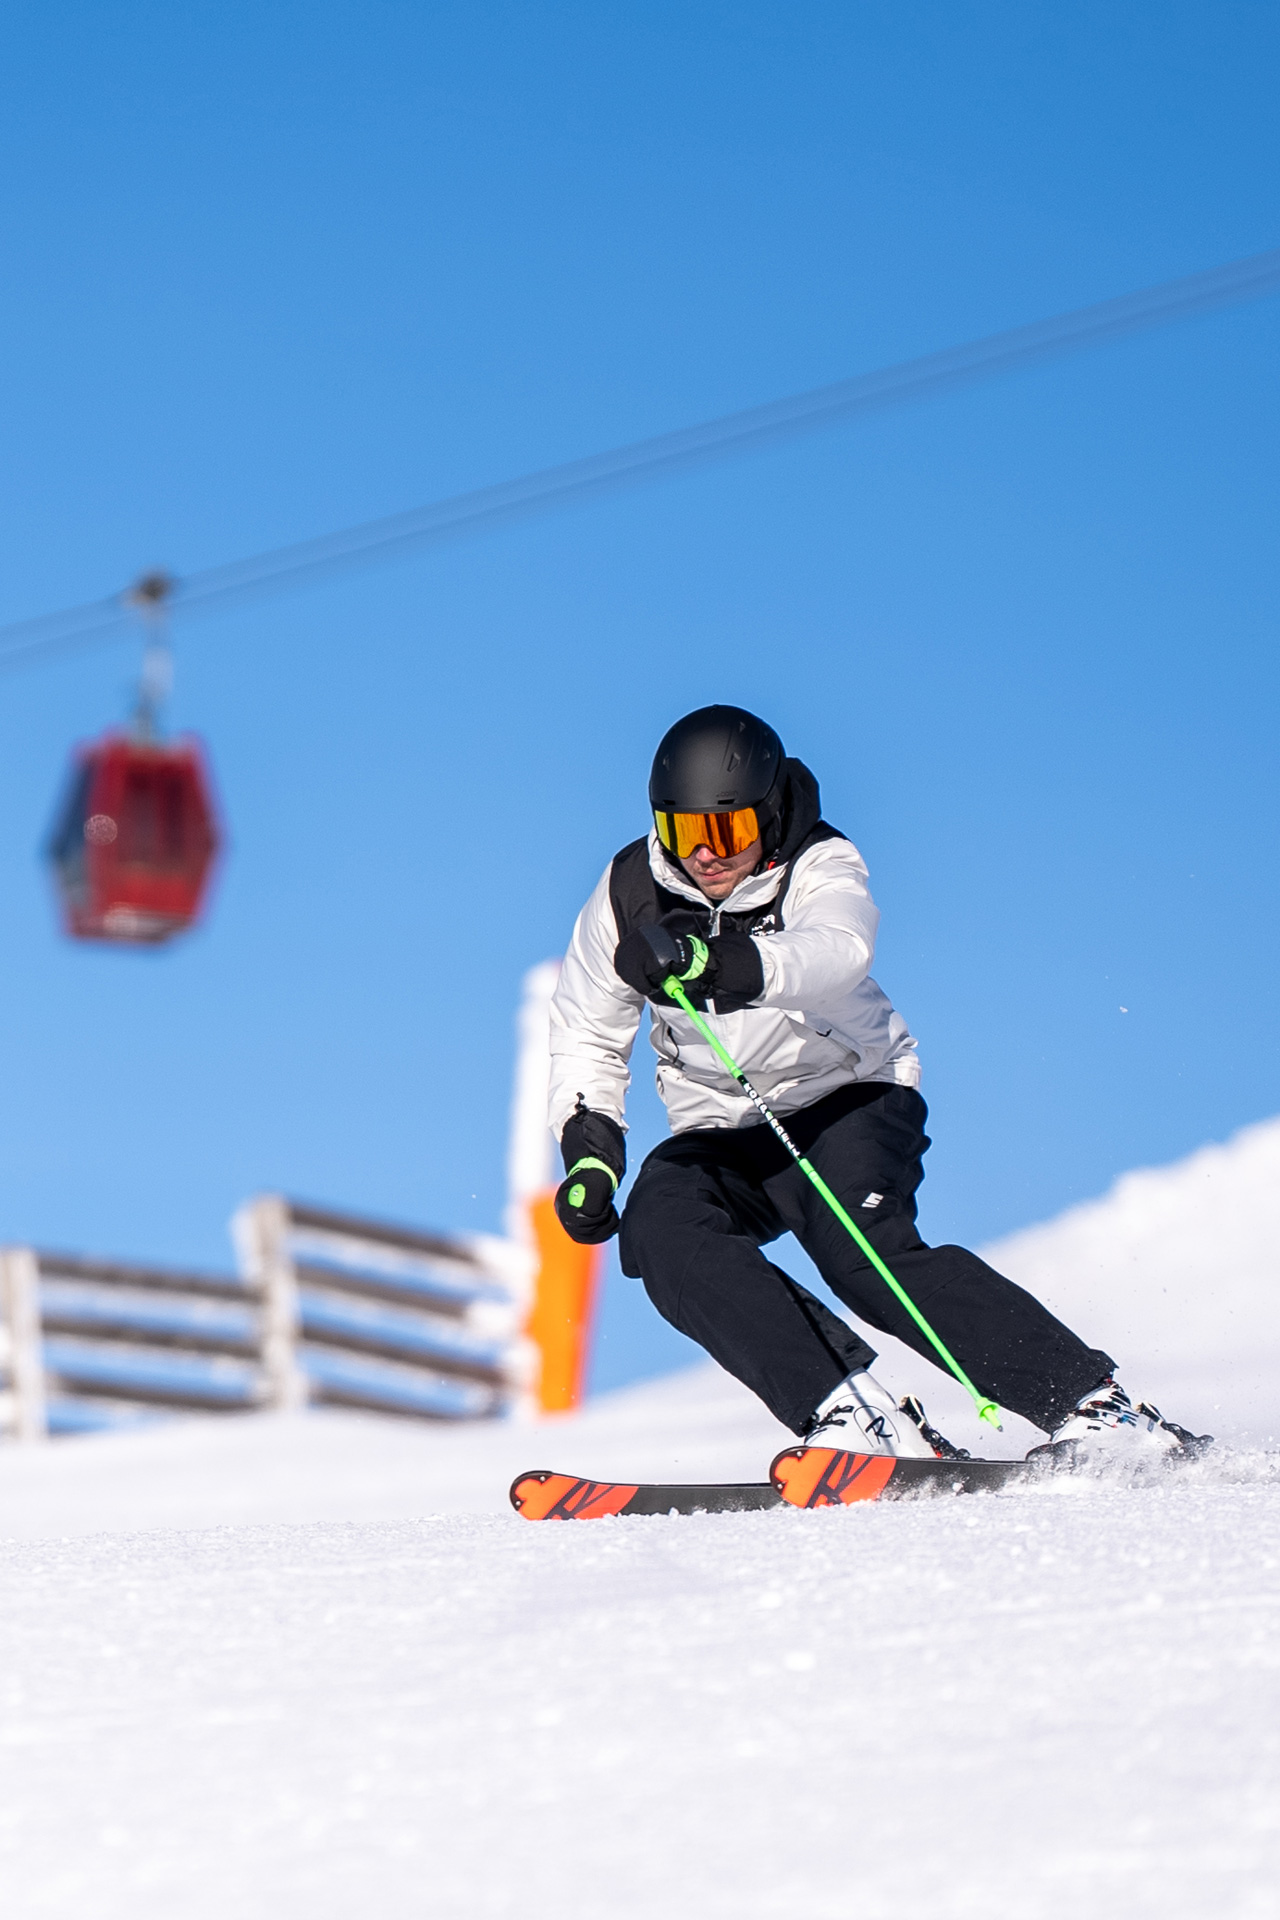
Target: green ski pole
x=987 y=1409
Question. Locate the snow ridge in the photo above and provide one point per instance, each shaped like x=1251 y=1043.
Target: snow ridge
x=1176 y=1271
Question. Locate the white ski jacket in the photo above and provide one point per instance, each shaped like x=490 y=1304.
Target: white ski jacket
x=821 y=1023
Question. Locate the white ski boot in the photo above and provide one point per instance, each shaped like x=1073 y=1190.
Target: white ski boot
x=1106 y=1427
x=861 y=1416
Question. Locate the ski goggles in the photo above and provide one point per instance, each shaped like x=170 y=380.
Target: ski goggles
x=725 y=833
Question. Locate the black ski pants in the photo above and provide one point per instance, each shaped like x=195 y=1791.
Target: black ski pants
x=706 y=1202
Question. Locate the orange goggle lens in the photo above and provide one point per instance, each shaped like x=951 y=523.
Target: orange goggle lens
x=725 y=833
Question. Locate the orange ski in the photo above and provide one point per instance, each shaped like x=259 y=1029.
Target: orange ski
x=544 y=1495
x=827 y=1477
x=561 y=1496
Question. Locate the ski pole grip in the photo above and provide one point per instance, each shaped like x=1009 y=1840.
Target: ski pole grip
x=661 y=943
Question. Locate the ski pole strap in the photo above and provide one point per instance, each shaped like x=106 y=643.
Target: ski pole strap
x=698 y=964
x=589 y=1161
x=987 y=1409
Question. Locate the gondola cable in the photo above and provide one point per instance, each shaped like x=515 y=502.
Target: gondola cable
x=26 y=641
x=136 y=836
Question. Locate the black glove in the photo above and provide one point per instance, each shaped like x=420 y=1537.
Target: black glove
x=595 y=1159
x=727 y=968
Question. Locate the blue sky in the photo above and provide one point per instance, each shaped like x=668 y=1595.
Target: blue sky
x=270 y=270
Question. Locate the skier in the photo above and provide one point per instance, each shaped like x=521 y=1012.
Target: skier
x=775 y=929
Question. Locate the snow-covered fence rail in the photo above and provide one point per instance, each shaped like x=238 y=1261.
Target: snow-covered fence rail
x=327 y=1308
x=362 y=1314
x=103 y=1341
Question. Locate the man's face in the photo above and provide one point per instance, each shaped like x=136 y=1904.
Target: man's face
x=716 y=877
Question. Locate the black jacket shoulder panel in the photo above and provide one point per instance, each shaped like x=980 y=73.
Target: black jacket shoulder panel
x=635 y=896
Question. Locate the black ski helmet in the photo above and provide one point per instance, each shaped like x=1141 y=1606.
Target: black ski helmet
x=718 y=760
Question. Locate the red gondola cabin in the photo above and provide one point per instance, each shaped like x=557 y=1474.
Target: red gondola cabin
x=134 y=844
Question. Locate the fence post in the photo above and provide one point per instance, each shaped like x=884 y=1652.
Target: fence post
x=20 y=1346
x=260 y=1230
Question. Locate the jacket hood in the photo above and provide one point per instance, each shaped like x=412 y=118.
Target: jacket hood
x=801 y=809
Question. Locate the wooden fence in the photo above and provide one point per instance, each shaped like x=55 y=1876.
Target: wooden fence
x=326 y=1309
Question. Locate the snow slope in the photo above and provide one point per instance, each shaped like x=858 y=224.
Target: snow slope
x=313 y=1664
x=1176 y=1272
x=1043 y=1704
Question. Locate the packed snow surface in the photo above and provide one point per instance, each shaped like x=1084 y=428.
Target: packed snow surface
x=1039 y=1703
x=259 y=1667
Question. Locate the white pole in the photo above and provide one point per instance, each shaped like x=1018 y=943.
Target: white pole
x=529 y=1153
x=20 y=1334
x=261 y=1232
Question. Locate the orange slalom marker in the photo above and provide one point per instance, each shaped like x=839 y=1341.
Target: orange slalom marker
x=563 y=1308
